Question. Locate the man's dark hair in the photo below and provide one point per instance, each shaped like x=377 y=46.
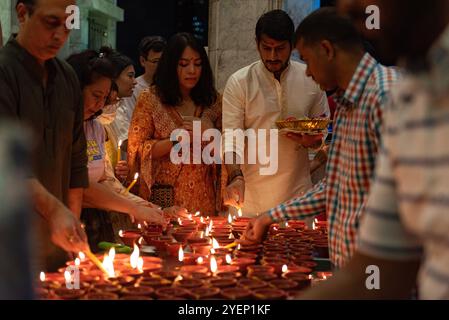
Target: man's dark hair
x=30 y=4
x=166 y=79
x=327 y=24
x=154 y=43
x=277 y=25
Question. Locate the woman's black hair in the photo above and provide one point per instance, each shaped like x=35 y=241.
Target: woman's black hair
x=166 y=77
x=119 y=61
x=89 y=66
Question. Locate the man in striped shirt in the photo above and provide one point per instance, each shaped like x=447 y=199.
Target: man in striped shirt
x=335 y=58
x=405 y=230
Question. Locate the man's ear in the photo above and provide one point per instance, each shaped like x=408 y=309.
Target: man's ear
x=328 y=48
x=142 y=61
x=22 y=12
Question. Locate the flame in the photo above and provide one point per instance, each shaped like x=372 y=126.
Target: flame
x=42 y=276
x=67 y=276
x=324 y=278
x=316 y=220
x=228 y=259
x=215 y=244
x=140 y=240
x=77 y=262
x=212 y=251
x=210 y=225
x=206 y=233
x=240 y=213
x=275 y=229
x=200 y=260
x=134 y=257
x=178 y=278
x=284 y=268
x=230 y=236
x=213 y=265
x=202 y=220
x=180 y=221
x=120 y=143
x=120 y=233
x=286 y=224
x=139 y=226
x=313 y=225
x=310 y=277
x=82 y=256
x=136 y=176
x=180 y=254
x=140 y=264
x=190 y=216
x=112 y=254
x=229 y=218
x=202 y=234
x=197 y=214
x=109 y=266
x=239 y=246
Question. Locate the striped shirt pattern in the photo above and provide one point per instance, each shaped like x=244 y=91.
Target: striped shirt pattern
x=351 y=162
x=407 y=214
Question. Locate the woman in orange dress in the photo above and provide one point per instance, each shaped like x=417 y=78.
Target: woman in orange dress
x=183 y=89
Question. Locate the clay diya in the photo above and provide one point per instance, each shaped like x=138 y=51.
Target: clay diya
x=201 y=248
x=269 y=294
x=169 y=275
x=137 y=291
x=303 y=280
x=101 y=296
x=204 y=293
x=263 y=276
x=284 y=284
x=129 y=237
x=223 y=283
x=172 y=292
x=252 y=284
x=242 y=263
x=236 y=293
x=189 y=283
x=69 y=294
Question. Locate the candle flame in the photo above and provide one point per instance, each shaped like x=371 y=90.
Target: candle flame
x=202 y=220
x=240 y=213
x=228 y=259
x=139 y=226
x=136 y=176
x=210 y=225
x=180 y=221
x=112 y=254
x=284 y=268
x=42 y=276
x=82 y=256
x=212 y=251
x=213 y=265
x=120 y=233
x=316 y=220
x=108 y=265
x=286 y=224
x=324 y=278
x=180 y=254
x=207 y=231
x=120 y=143
x=133 y=259
x=202 y=234
x=215 y=244
x=310 y=277
x=178 y=278
x=197 y=214
x=67 y=276
x=140 y=240
x=190 y=216
x=230 y=236
x=229 y=218
x=200 y=260
x=275 y=229
x=140 y=264
x=313 y=225
x=239 y=246
x=77 y=262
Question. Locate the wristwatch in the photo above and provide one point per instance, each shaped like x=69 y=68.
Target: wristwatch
x=234 y=174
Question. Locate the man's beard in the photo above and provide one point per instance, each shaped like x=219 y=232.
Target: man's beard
x=280 y=70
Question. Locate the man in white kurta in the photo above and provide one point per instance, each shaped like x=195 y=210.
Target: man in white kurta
x=255 y=97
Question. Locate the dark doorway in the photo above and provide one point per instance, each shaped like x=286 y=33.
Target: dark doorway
x=163 y=18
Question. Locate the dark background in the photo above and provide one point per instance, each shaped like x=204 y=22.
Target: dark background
x=163 y=18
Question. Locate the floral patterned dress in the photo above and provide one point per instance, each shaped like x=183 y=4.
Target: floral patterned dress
x=195 y=185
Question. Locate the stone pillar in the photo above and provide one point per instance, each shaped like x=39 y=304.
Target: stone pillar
x=232 y=25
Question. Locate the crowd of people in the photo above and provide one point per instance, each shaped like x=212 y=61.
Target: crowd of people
x=94 y=125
